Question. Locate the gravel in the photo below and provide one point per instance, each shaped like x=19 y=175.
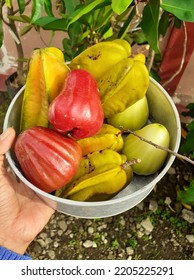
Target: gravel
x=158 y=228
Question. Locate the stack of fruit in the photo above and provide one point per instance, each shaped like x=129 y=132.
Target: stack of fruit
x=74 y=139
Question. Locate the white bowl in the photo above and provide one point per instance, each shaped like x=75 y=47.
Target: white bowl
x=162 y=110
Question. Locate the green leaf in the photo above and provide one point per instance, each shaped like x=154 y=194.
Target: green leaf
x=105 y=29
x=48 y=7
x=25 y=29
x=102 y=17
x=164 y=23
x=149 y=23
x=177 y=23
x=68 y=54
x=139 y=37
x=158 y=58
x=43 y=21
x=187 y=196
x=190 y=126
x=188 y=145
x=155 y=75
x=21 y=5
x=21 y=18
x=25 y=18
x=8 y=3
x=51 y=23
x=74 y=32
x=124 y=29
x=70 y=50
x=87 y=20
x=85 y=9
x=37 y=9
x=190 y=112
x=83 y=36
x=119 y=6
x=71 y=5
x=184 y=10
x=108 y=33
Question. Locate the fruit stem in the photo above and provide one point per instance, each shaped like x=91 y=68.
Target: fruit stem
x=130 y=162
x=160 y=147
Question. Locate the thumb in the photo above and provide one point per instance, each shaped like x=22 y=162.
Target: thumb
x=6 y=140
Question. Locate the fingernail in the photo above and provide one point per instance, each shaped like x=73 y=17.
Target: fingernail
x=5 y=134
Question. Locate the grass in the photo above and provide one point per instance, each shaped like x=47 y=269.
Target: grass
x=114 y=244
x=132 y=242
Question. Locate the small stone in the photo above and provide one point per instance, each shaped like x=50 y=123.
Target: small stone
x=122 y=222
x=90 y=230
x=41 y=242
x=51 y=254
x=63 y=225
x=147 y=225
x=80 y=257
x=190 y=238
x=103 y=238
x=138 y=226
x=88 y=244
x=56 y=244
x=94 y=245
x=53 y=232
x=43 y=235
x=129 y=251
x=68 y=232
x=37 y=249
x=103 y=226
x=140 y=205
x=174 y=241
x=60 y=232
x=140 y=234
x=110 y=256
x=120 y=255
x=188 y=216
x=88 y=223
x=153 y=206
x=167 y=200
x=81 y=229
x=48 y=240
x=171 y=171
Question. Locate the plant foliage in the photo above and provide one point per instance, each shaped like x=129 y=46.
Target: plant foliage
x=186 y=194
x=86 y=22
x=187 y=146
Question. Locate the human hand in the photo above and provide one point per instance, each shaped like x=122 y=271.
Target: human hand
x=22 y=213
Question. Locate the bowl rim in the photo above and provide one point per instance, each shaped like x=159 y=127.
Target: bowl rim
x=106 y=202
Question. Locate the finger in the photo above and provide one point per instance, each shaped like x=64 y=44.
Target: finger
x=6 y=140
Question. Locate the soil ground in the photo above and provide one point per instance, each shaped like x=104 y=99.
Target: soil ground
x=159 y=228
